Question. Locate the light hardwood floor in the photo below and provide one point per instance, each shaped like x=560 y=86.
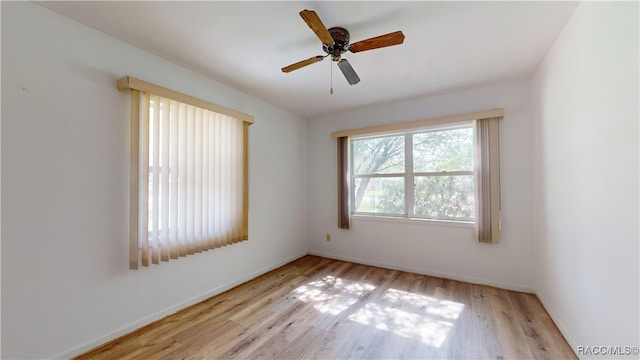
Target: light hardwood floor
x=317 y=308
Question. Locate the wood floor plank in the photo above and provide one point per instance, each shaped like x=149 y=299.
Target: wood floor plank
x=532 y=318
x=514 y=344
x=317 y=308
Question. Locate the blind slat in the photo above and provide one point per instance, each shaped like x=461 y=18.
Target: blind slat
x=165 y=150
x=218 y=183
x=245 y=181
x=144 y=180
x=211 y=235
x=224 y=152
x=154 y=149
x=134 y=173
x=197 y=181
x=173 y=191
x=191 y=181
x=205 y=181
x=343 y=183
x=182 y=181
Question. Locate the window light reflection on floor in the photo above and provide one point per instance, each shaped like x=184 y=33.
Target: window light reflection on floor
x=323 y=294
x=411 y=315
x=403 y=313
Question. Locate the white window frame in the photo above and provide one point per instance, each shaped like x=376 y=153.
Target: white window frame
x=409 y=174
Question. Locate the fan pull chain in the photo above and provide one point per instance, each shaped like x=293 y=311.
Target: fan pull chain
x=331 y=88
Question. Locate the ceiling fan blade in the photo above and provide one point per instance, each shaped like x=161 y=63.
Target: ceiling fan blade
x=348 y=72
x=313 y=20
x=394 y=38
x=302 y=63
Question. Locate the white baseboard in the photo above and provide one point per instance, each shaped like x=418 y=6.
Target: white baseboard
x=439 y=274
x=170 y=310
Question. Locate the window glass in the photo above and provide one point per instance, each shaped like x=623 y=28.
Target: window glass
x=441 y=176
x=381 y=155
x=444 y=197
x=444 y=150
x=381 y=195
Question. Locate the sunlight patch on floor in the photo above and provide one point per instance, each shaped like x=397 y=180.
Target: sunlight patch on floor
x=403 y=313
x=332 y=294
x=411 y=315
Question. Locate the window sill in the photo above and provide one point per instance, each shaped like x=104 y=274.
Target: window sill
x=414 y=221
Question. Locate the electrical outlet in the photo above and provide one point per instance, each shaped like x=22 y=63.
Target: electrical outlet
x=328 y=237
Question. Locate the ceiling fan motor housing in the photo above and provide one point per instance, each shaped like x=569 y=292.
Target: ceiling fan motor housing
x=340 y=43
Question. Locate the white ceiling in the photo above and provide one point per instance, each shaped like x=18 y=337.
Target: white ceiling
x=448 y=46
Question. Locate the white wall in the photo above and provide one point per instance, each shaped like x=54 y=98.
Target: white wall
x=432 y=248
x=66 y=285
x=585 y=96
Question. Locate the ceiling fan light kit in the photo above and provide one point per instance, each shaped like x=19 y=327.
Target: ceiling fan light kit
x=335 y=42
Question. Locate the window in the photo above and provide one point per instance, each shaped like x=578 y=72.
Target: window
x=189 y=182
x=422 y=174
x=444 y=168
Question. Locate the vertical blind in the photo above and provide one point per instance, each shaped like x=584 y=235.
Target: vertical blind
x=487 y=169
x=189 y=179
x=344 y=220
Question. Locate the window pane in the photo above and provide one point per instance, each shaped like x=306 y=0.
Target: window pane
x=379 y=195
x=444 y=196
x=445 y=150
x=382 y=155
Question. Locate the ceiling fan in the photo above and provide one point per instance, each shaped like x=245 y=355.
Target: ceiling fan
x=335 y=42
